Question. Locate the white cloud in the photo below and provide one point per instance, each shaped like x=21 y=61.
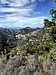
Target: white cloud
x=19 y=11
x=19 y=15
x=7 y=9
x=17 y=2
x=32 y=22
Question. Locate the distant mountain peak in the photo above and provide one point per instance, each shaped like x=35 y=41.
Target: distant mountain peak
x=28 y=28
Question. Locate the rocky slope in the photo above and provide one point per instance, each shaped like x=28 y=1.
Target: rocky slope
x=27 y=65
x=26 y=30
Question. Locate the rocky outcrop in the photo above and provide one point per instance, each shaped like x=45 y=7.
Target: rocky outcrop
x=27 y=65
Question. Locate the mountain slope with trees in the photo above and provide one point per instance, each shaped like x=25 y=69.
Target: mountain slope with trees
x=36 y=58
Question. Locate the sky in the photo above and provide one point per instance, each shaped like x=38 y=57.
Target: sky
x=24 y=13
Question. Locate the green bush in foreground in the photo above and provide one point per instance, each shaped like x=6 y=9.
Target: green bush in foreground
x=46 y=47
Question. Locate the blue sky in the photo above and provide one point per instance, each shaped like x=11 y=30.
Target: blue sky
x=24 y=13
